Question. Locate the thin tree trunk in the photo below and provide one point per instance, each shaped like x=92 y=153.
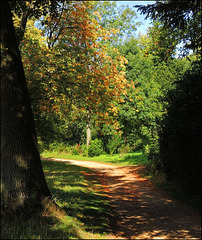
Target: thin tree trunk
x=88 y=133
x=23 y=185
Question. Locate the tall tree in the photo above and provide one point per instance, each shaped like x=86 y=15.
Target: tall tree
x=75 y=72
x=180 y=134
x=148 y=80
x=23 y=186
x=122 y=18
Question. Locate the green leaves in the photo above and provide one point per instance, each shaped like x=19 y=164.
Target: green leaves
x=144 y=104
x=182 y=18
x=120 y=18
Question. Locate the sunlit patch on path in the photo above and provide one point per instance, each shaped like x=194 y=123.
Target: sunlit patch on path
x=139 y=209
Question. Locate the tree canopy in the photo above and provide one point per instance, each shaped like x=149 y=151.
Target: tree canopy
x=180 y=16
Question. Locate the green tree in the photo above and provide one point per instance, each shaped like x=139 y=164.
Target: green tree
x=161 y=44
x=133 y=112
x=142 y=104
x=180 y=134
x=122 y=19
x=148 y=83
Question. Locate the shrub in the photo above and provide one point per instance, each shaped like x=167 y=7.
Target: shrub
x=42 y=146
x=68 y=149
x=77 y=149
x=57 y=147
x=124 y=148
x=114 y=144
x=154 y=164
x=84 y=150
x=95 y=148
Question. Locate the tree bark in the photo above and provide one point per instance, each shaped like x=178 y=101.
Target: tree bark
x=88 y=131
x=88 y=134
x=23 y=185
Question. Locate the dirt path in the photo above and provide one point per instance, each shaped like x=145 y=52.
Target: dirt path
x=140 y=211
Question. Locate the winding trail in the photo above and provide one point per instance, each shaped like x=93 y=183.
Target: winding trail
x=141 y=211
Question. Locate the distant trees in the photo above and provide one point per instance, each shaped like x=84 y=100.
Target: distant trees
x=149 y=79
x=161 y=44
x=123 y=19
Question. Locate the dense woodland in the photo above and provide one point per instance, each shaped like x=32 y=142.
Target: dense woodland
x=96 y=86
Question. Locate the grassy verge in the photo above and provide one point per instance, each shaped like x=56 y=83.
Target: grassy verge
x=78 y=191
x=128 y=159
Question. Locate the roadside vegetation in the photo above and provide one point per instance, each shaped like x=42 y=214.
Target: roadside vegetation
x=80 y=194
x=122 y=159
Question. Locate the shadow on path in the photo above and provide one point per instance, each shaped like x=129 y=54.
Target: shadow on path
x=141 y=211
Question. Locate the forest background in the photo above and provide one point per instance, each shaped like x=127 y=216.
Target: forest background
x=99 y=87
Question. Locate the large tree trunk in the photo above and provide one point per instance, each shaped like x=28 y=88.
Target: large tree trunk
x=23 y=185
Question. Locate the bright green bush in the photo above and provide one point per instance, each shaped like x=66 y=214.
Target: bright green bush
x=84 y=150
x=77 y=149
x=95 y=148
x=114 y=144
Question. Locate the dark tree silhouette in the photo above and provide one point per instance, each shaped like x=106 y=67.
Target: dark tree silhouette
x=182 y=16
x=180 y=138
x=23 y=185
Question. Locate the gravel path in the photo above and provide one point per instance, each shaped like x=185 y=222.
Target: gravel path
x=141 y=211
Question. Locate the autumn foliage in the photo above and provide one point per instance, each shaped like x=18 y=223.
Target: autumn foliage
x=69 y=67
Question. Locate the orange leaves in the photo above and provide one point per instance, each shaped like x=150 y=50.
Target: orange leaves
x=97 y=14
x=80 y=68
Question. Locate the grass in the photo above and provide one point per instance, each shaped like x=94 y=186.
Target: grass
x=128 y=159
x=78 y=191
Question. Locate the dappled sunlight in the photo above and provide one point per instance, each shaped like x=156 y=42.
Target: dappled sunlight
x=78 y=191
x=139 y=209
x=144 y=212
